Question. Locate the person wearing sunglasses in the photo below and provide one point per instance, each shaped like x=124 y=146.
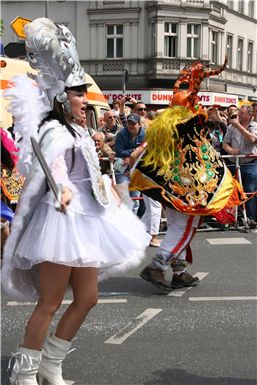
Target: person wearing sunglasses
x=140 y=109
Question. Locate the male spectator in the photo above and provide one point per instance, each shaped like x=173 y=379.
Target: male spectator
x=127 y=140
x=140 y=109
x=103 y=151
x=241 y=138
x=110 y=128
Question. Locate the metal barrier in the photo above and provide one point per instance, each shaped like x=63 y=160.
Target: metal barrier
x=238 y=175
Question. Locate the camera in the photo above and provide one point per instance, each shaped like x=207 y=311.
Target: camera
x=233 y=116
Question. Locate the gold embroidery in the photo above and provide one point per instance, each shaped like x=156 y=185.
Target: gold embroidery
x=194 y=172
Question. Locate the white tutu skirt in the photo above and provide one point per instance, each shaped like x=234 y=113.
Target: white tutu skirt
x=111 y=240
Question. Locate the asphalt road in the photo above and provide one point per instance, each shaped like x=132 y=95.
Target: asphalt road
x=138 y=336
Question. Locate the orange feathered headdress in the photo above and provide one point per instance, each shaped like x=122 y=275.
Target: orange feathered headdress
x=192 y=75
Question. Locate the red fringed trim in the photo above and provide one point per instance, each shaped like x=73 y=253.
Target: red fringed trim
x=226 y=216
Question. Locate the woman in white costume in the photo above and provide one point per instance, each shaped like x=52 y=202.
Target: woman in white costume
x=49 y=250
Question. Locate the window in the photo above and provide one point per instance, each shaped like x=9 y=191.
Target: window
x=231 y=4
x=229 y=50
x=193 y=41
x=250 y=57
x=240 y=45
x=114 y=41
x=214 y=47
x=171 y=39
x=113 y=2
x=251 y=8
x=153 y=40
x=241 y=6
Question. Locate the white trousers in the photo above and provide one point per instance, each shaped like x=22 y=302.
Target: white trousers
x=181 y=229
x=152 y=215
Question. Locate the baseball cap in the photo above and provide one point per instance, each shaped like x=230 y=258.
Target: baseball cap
x=134 y=118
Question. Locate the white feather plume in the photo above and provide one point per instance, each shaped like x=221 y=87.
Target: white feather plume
x=28 y=109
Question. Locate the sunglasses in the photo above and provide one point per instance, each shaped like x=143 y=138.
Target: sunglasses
x=141 y=109
x=111 y=117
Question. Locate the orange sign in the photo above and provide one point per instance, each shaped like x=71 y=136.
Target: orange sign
x=18 y=26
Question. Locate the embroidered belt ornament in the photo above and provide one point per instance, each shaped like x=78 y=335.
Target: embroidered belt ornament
x=11 y=184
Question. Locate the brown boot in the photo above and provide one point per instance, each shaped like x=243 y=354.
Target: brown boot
x=155 y=277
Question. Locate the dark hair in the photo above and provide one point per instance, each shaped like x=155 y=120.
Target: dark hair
x=134 y=105
x=215 y=125
x=58 y=112
x=6 y=159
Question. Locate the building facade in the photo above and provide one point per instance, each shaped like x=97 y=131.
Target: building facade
x=154 y=40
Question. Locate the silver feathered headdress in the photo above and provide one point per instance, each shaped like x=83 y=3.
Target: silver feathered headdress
x=51 y=50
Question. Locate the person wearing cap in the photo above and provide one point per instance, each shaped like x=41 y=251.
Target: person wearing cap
x=127 y=140
x=86 y=237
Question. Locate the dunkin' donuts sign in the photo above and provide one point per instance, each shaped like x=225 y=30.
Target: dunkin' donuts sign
x=163 y=97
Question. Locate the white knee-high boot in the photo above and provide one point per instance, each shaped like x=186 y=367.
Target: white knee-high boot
x=25 y=366
x=53 y=353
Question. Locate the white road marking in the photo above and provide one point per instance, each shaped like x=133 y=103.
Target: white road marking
x=179 y=292
x=68 y=301
x=176 y=293
x=228 y=241
x=201 y=275
x=112 y=293
x=249 y=298
x=133 y=326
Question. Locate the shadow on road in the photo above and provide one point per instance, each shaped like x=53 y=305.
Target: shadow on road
x=4 y=372
x=181 y=377
x=132 y=286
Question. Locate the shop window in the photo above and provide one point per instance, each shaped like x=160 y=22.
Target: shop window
x=114 y=41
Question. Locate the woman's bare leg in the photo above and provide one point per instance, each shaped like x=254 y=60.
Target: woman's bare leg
x=53 y=281
x=84 y=284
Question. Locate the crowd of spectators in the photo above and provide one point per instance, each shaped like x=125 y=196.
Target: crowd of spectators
x=121 y=130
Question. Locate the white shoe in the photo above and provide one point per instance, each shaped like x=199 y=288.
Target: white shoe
x=25 y=366
x=53 y=353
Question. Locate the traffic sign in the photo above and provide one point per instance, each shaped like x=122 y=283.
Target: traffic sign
x=18 y=26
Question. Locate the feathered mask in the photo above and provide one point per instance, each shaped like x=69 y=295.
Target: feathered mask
x=192 y=75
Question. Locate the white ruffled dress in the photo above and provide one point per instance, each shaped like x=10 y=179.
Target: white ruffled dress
x=111 y=238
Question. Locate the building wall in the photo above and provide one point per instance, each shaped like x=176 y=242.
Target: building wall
x=148 y=68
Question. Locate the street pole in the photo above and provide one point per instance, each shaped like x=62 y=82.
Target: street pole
x=46 y=9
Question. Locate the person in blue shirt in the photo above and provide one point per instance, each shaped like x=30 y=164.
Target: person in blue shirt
x=127 y=140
